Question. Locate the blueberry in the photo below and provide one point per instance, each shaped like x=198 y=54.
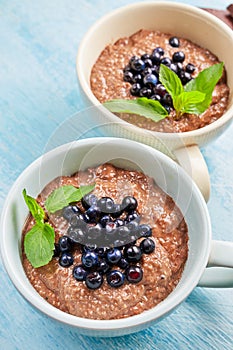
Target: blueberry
x=66 y=259
x=138 y=65
x=110 y=232
x=77 y=221
x=133 y=253
x=128 y=77
x=134 y=274
x=123 y=231
x=135 y=89
x=118 y=243
x=116 y=211
x=89 y=200
x=158 y=50
x=155 y=97
x=145 y=56
x=146 y=71
x=155 y=58
x=147 y=245
x=101 y=251
x=132 y=59
x=76 y=235
x=104 y=220
x=103 y=266
x=145 y=230
x=110 y=226
x=137 y=78
x=166 y=99
x=150 y=80
x=119 y=222
x=106 y=204
x=64 y=243
x=178 y=56
x=174 y=41
x=89 y=259
x=129 y=203
x=68 y=212
x=113 y=256
x=133 y=216
x=174 y=67
x=179 y=66
x=94 y=232
x=185 y=77
x=160 y=90
x=123 y=263
x=94 y=280
x=148 y=62
x=190 y=68
x=155 y=71
x=133 y=226
x=89 y=248
x=168 y=108
x=93 y=213
x=79 y=273
x=145 y=92
x=166 y=61
x=115 y=278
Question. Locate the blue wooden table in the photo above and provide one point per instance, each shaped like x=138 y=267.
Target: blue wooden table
x=39 y=91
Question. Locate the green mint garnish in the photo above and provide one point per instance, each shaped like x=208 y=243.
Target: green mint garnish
x=39 y=241
x=39 y=244
x=194 y=98
x=142 y=106
x=205 y=82
x=34 y=208
x=64 y=195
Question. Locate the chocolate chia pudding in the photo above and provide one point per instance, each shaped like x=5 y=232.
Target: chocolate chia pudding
x=107 y=79
x=162 y=268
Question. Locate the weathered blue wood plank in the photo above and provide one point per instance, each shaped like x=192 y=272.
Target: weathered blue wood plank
x=38 y=91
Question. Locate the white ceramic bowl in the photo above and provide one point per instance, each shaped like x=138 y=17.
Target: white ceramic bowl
x=179 y=19
x=67 y=159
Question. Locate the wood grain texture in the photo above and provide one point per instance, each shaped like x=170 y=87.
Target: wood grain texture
x=38 y=92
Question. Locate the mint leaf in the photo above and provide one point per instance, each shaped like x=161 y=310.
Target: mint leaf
x=64 y=195
x=186 y=101
x=39 y=244
x=142 y=106
x=205 y=82
x=34 y=208
x=171 y=81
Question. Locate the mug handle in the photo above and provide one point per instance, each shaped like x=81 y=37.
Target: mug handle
x=191 y=159
x=219 y=271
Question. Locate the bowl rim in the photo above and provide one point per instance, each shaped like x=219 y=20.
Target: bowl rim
x=226 y=117
x=131 y=322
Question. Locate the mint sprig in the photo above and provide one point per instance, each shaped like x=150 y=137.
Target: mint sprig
x=205 y=82
x=39 y=241
x=64 y=195
x=141 y=106
x=194 y=98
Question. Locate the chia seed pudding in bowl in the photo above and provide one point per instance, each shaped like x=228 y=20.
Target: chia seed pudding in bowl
x=181 y=37
x=116 y=284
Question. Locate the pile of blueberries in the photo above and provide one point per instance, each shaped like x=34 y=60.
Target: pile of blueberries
x=143 y=73
x=107 y=234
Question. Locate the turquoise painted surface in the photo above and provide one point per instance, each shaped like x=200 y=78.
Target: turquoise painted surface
x=38 y=91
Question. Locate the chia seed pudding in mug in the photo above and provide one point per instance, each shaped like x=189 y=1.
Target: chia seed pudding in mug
x=115 y=76
x=119 y=251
